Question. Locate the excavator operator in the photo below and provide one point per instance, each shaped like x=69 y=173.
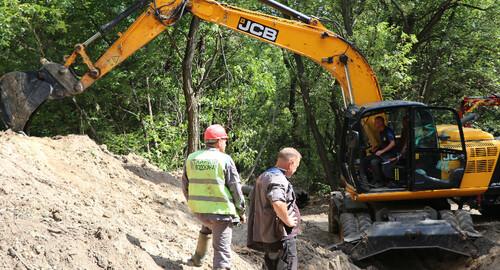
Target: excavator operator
x=382 y=153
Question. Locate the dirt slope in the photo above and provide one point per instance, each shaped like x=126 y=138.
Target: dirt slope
x=67 y=203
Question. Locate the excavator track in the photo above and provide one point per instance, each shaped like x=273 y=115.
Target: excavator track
x=400 y=227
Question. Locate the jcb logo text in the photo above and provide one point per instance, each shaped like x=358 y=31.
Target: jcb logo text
x=258 y=29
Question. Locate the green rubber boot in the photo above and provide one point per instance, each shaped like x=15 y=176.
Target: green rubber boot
x=201 y=250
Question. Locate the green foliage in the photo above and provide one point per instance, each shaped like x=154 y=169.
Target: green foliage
x=390 y=53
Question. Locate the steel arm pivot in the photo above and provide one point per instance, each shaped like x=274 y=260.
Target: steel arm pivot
x=311 y=40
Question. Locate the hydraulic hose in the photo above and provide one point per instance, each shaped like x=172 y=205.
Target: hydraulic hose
x=108 y=26
x=288 y=10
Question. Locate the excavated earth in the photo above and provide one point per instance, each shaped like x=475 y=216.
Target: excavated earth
x=68 y=203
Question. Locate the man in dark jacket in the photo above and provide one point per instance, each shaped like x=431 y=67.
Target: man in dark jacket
x=274 y=217
x=382 y=153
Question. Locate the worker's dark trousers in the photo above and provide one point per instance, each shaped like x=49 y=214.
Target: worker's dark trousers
x=283 y=259
x=375 y=164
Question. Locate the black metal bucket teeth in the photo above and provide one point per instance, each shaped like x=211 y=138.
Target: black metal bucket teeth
x=21 y=93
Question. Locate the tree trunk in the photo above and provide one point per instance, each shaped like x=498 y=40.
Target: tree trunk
x=338 y=113
x=139 y=117
x=84 y=115
x=424 y=34
x=294 y=133
x=293 y=109
x=426 y=93
x=151 y=117
x=311 y=121
x=189 y=93
x=346 y=9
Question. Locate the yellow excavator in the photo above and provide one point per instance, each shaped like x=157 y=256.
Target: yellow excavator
x=438 y=161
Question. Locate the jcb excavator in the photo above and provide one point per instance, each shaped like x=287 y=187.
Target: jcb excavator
x=437 y=163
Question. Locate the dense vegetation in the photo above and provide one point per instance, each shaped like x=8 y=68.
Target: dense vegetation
x=435 y=51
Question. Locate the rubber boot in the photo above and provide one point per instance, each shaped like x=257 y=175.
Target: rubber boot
x=201 y=249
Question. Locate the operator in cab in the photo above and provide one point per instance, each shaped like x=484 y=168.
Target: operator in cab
x=383 y=153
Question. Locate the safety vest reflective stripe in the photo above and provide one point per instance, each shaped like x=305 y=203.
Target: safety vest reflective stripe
x=206 y=181
x=206 y=198
x=207 y=190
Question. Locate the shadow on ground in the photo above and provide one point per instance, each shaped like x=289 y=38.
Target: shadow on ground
x=153 y=176
x=165 y=263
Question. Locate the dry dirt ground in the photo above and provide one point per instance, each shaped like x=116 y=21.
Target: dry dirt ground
x=68 y=203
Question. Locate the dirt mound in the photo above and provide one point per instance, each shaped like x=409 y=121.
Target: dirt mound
x=67 y=203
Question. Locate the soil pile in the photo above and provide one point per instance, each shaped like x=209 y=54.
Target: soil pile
x=68 y=203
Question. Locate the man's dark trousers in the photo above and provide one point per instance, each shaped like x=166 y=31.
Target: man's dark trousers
x=284 y=258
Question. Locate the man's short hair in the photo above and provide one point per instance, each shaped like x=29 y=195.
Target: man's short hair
x=288 y=153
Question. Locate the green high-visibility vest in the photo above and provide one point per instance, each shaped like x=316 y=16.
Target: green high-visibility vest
x=207 y=190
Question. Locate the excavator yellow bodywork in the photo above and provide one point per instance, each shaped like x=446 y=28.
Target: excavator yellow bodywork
x=313 y=41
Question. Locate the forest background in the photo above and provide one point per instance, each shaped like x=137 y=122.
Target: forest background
x=158 y=102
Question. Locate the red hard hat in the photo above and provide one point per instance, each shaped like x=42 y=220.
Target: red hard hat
x=215 y=132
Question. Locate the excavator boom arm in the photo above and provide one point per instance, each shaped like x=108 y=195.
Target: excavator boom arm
x=469 y=104
x=312 y=40
x=340 y=58
x=307 y=37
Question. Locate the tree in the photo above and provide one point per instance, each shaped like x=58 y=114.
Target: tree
x=190 y=94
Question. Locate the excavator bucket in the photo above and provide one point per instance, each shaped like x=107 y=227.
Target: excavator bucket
x=21 y=93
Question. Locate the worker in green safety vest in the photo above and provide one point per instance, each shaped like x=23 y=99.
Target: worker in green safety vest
x=211 y=185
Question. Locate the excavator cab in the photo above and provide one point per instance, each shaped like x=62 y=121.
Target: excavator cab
x=424 y=157
x=363 y=137
x=408 y=210
x=439 y=162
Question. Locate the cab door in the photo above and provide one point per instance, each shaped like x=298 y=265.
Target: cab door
x=438 y=148
x=350 y=154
